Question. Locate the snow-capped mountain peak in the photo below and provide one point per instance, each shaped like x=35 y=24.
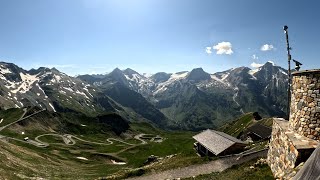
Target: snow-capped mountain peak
x=39 y=87
x=185 y=96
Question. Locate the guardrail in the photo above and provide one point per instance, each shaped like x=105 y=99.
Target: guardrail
x=242 y=154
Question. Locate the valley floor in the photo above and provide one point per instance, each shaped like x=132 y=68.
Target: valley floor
x=31 y=148
x=84 y=152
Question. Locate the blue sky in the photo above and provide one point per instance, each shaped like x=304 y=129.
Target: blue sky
x=95 y=36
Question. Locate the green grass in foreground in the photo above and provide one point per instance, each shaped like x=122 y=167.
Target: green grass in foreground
x=242 y=171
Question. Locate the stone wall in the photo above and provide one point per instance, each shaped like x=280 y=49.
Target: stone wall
x=282 y=154
x=305 y=103
x=293 y=141
x=287 y=149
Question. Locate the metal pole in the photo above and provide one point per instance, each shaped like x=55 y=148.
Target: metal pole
x=285 y=28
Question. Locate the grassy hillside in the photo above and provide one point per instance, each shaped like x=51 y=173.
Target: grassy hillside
x=92 y=156
x=21 y=163
x=99 y=142
x=240 y=124
x=10 y=115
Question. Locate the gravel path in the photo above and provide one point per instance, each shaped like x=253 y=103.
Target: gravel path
x=207 y=168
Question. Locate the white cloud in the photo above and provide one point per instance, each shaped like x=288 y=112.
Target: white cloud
x=267 y=47
x=209 y=50
x=223 y=48
x=255 y=57
x=256 y=65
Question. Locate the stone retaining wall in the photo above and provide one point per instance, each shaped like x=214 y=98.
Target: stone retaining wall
x=293 y=141
x=287 y=149
x=282 y=154
x=305 y=103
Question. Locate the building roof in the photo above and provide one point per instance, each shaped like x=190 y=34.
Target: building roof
x=262 y=131
x=216 y=141
x=297 y=73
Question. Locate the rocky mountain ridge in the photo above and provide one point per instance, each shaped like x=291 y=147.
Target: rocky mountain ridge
x=184 y=100
x=197 y=99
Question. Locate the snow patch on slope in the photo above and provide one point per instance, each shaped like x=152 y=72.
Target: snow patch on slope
x=82 y=94
x=176 y=76
x=52 y=107
x=68 y=89
x=4 y=70
x=234 y=98
x=252 y=72
x=273 y=64
x=164 y=85
x=224 y=76
x=223 y=79
x=283 y=72
x=26 y=83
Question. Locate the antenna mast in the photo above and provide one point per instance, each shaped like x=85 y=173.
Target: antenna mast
x=285 y=28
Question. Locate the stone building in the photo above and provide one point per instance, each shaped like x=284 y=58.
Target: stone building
x=292 y=142
x=305 y=104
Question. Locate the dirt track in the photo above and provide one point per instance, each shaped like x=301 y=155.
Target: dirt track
x=207 y=168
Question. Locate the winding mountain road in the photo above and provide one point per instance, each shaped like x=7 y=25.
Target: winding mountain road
x=138 y=137
x=68 y=139
x=21 y=118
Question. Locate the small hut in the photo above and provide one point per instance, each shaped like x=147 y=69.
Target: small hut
x=216 y=143
x=258 y=132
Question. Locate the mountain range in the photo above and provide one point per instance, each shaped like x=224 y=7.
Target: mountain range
x=192 y=100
